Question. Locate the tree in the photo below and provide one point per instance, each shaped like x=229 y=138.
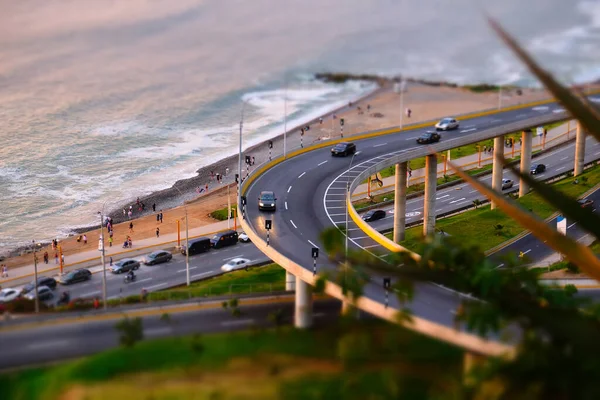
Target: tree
x=130 y=331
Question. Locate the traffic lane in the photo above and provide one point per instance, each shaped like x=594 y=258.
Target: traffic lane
x=161 y=276
x=460 y=195
x=60 y=342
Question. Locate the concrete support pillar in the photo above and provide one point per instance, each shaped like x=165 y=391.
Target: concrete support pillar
x=579 y=150
x=497 y=165
x=400 y=201
x=303 y=312
x=526 y=138
x=430 y=190
x=290 y=281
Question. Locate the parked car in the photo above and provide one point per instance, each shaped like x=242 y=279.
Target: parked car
x=236 y=263
x=44 y=293
x=242 y=237
x=125 y=265
x=78 y=275
x=42 y=281
x=8 y=295
x=447 y=124
x=373 y=215
x=222 y=239
x=197 y=246
x=537 y=169
x=266 y=201
x=157 y=257
x=429 y=137
x=507 y=183
x=343 y=149
x=585 y=203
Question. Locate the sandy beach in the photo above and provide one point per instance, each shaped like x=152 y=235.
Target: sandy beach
x=377 y=110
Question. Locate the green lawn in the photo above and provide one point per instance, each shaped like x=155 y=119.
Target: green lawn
x=350 y=360
x=477 y=227
x=267 y=278
x=221 y=214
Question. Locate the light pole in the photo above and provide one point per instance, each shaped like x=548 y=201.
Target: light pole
x=402 y=87
x=37 y=301
x=347 y=196
x=102 y=253
x=239 y=199
x=499 y=97
x=187 y=248
x=284 y=122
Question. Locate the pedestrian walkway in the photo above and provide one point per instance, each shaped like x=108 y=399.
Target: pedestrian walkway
x=555 y=136
x=92 y=257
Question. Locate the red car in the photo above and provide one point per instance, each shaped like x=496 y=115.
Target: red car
x=585 y=203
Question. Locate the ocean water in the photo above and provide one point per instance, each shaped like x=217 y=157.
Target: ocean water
x=104 y=101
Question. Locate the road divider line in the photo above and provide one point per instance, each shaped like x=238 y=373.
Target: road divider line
x=143 y=280
x=314 y=245
x=292 y=222
x=321 y=163
x=51 y=343
x=238 y=322
x=290 y=188
x=202 y=274
x=231 y=258
x=569 y=227
x=183 y=270
x=286 y=207
x=454 y=201
x=379 y=145
x=91 y=294
x=157 y=286
x=301 y=175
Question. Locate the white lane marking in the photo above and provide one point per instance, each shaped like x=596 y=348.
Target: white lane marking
x=231 y=258
x=143 y=280
x=373 y=245
x=330 y=207
x=500 y=266
x=301 y=175
x=321 y=163
x=357 y=153
x=563 y=159
x=596 y=153
x=558 y=169
x=238 y=322
x=286 y=205
x=334 y=200
x=157 y=286
x=411 y=138
x=473 y=191
x=97 y=292
x=495 y=120
x=314 y=245
x=183 y=270
x=525 y=252
x=438 y=210
x=202 y=274
x=520 y=116
x=360 y=237
x=336 y=215
x=452 y=202
x=157 y=331
x=293 y=224
x=290 y=188
x=468 y=130
x=51 y=343
x=569 y=227
x=379 y=145
x=441 y=197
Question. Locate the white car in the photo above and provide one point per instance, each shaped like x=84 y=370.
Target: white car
x=243 y=238
x=44 y=293
x=236 y=263
x=8 y=294
x=447 y=124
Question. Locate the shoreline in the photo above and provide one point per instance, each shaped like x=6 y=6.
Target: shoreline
x=170 y=197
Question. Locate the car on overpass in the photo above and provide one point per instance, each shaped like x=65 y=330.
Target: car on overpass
x=7 y=295
x=236 y=263
x=429 y=137
x=507 y=183
x=267 y=201
x=537 y=169
x=78 y=275
x=157 y=257
x=373 y=215
x=125 y=265
x=343 y=149
x=585 y=203
x=447 y=124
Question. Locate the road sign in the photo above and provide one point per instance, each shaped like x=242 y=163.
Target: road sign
x=315 y=252
x=267 y=224
x=540 y=130
x=387 y=282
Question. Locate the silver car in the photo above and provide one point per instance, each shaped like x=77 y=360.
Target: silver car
x=507 y=184
x=125 y=265
x=44 y=293
x=447 y=124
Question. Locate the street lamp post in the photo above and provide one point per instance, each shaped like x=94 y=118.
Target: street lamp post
x=102 y=256
x=37 y=301
x=239 y=199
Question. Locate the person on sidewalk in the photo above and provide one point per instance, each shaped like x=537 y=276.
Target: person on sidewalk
x=56 y=258
x=46 y=257
x=84 y=239
x=110 y=240
x=96 y=303
x=131 y=227
x=4 y=271
x=161 y=216
x=153 y=207
x=62 y=257
x=157 y=232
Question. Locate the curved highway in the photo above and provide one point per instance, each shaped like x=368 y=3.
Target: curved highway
x=310 y=189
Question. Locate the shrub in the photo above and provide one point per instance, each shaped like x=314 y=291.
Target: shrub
x=22 y=305
x=130 y=331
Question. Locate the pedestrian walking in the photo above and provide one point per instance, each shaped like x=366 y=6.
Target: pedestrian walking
x=131 y=227
x=153 y=207
x=110 y=240
x=253 y=160
x=110 y=261
x=62 y=258
x=157 y=217
x=157 y=232
x=46 y=257
x=55 y=258
x=4 y=271
x=84 y=238
x=212 y=175
x=129 y=242
x=409 y=172
x=129 y=214
x=124 y=213
x=206 y=188
x=96 y=303
x=321 y=121
x=226 y=171
x=161 y=216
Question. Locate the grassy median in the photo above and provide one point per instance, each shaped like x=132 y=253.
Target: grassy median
x=488 y=228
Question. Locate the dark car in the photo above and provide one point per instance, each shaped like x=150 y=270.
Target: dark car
x=343 y=149
x=125 y=265
x=42 y=281
x=157 y=257
x=429 y=137
x=222 y=239
x=373 y=215
x=78 y=275
x=266 y=201
x=537 y=169
x=197 y=246
x=585 y=203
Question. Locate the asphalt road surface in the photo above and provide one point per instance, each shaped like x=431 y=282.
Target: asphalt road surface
x=51 y=343
x=311 y=187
